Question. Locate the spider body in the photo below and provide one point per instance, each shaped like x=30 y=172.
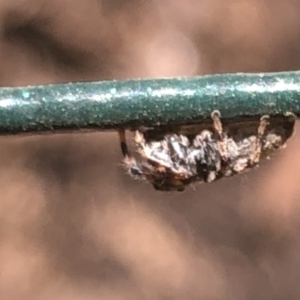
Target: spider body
x=172 y=158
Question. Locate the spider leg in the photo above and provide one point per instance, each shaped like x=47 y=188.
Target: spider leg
x=216 y=117
x=123 y=143
x=139 y=139
x=221 y=136
x=264 y=122
x=228 y=150
x=129 y=162
x=143 y=149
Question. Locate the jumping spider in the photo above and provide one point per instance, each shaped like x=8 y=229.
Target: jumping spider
x=173 y=157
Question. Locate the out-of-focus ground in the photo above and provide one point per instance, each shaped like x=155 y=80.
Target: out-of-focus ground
x=74 y=226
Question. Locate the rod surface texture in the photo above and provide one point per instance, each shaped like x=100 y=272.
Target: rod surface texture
x=121 y=104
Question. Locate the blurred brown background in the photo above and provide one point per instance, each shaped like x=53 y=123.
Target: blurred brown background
x=73 y=225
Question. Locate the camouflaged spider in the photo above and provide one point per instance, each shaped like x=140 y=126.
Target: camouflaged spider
x=172 y=158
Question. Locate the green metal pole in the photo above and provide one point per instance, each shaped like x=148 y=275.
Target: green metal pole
x=123 y=104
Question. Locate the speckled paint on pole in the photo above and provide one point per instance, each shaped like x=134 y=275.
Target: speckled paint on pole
x=111 y=105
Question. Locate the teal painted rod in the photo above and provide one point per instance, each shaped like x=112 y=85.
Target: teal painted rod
x=111 y=105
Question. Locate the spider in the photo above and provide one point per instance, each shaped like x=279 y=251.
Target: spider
x=171 y=159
